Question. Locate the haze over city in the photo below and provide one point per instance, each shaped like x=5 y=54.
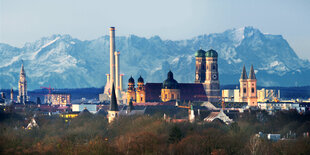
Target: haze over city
x=154 y=77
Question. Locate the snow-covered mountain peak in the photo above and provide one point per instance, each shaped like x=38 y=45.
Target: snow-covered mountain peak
x=66 y=62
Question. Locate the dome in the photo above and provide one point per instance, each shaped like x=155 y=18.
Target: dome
x=170 y=83
x=200 y=53
x=211 y=53
x=131 y=80
x=140 y=79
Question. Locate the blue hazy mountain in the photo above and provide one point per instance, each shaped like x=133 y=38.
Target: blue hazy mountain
x=65 y=62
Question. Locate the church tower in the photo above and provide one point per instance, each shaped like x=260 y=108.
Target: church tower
x=212 y=83
x=243 y=86
x=252 y=94
x=12 y=94
x=200 y=73
x=22 y=87
x=131 y=91
x=113 y=112
x=140 y=91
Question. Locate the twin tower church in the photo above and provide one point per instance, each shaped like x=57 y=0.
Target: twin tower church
x=206 y=86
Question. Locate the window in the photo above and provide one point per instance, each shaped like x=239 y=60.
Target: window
x=252 y=90
x=166 y=96
x=244 y=90
x=141 y=99
x=172 y=96
x=213 y=67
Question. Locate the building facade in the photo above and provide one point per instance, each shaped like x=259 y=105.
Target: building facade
x=207 y=73
x=22 y=87
x=58 y=99
x=131 y=90
x=140 y=98
x=248 y=91
x=170 y=89
x=200 y=72
x=92 y=108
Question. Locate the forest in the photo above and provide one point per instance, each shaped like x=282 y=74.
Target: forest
x=91 y=134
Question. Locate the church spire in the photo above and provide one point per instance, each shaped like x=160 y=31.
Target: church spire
x=113 y=102
x=252 y=73
x=22 y=71
x=243 y=74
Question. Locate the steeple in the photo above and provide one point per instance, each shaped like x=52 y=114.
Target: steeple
x=113 y=102
x=243 y=74
x=252 y=73
x=22 y=69
x=22 y=74
x=22 y=86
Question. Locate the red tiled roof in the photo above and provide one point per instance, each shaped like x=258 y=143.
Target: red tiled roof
x=189 y=91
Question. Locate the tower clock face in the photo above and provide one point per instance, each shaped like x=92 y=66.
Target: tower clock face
x=214 y=76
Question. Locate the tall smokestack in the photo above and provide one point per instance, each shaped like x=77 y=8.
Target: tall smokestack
x=121 y=82
x=12 y=95
x=112 y=59
x=108 y=78
x=117 y=74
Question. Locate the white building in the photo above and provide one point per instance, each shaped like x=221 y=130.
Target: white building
x=92 y=108
x=276 y=106
x=231 y=95
x=267 y=94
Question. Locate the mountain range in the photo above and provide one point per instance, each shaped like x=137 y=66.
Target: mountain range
x=65 y=62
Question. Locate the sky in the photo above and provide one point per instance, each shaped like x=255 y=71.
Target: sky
x=24 y=21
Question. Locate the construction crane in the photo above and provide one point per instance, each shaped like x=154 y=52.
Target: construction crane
x=185 y=107
x=49 y=92
x=48 y=88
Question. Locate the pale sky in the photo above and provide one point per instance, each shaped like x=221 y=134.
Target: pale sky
x=24 y=21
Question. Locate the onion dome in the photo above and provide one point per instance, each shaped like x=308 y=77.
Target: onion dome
x=131 y=80
x=170 y=83
x=200 y=53
x=211 y=53
x=140 y=79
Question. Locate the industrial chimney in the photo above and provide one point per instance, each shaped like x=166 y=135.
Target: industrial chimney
x=112 y=58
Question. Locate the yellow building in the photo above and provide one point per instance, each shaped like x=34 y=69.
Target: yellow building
x=140 y=91
x=69 y=115
x=131 y=91
x=58 y=98
x=170 y=89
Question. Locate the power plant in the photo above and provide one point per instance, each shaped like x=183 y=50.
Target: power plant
x=114 y=76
